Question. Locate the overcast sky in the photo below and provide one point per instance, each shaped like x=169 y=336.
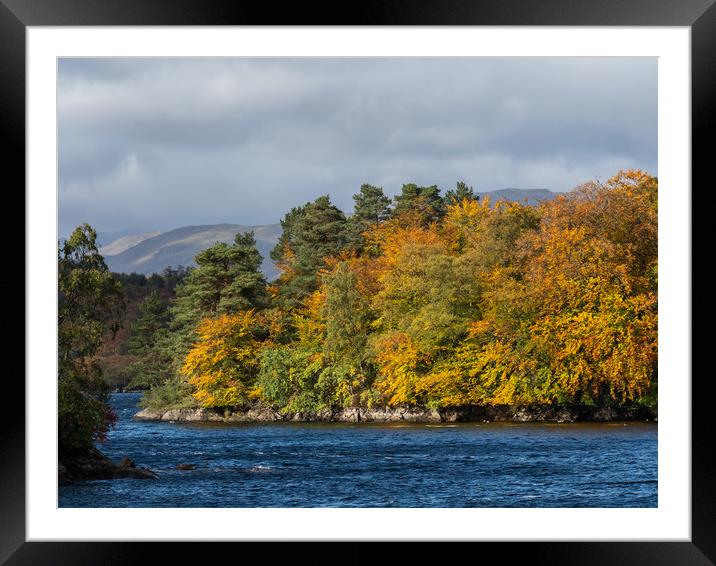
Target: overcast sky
x=155 y=144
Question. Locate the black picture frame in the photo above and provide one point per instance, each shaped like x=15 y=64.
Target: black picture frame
x=17 y=15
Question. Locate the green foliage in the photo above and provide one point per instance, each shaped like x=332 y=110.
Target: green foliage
x=90 y=302
x=348 y=320
x=153 y=316
x=227 y=279
x=288 y=378
x=173 y=393
x=371 y=207
x=311 y=233
x=461 y=192
x=426 y=201
x=155 y=364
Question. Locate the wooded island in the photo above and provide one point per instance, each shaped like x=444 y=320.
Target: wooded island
x=427 y=301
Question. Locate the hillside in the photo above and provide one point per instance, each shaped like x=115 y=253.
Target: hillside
x=531 y=196
x=154 y=251
x=179 y=246
x=117 y=246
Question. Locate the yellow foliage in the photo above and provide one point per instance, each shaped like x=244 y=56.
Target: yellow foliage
x=222 y=365
x=494 y=304
x=398 y=359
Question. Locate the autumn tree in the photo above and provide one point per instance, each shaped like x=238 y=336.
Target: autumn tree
x=226 y=280
x=593 y=279
x=222 y=365
x=442 y=303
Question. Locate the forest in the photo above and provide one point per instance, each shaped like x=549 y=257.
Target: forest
x=427 y=300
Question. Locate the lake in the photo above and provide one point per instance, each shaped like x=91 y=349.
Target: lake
x=376 y=465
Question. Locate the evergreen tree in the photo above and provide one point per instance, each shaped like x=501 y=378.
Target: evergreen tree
x=311 y=234
x=148 y=342
x=371 y=207
x=153 y=316
x=425 y=201
x=227 y=279
x=461 y=192
x=278 y=253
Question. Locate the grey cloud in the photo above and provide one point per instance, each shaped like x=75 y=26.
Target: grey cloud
x=159 y=143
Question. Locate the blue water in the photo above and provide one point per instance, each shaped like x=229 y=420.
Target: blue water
x=376 y=465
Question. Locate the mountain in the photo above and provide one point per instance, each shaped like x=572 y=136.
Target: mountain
x=178 y=247
x=530 y=196
x=152 y=252
x=117 y=246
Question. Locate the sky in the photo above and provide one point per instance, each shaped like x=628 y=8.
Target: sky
x=156 y=144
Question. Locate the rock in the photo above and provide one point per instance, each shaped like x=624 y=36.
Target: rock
x=93 y=465
x=149 y=415
x=352 y=415
x=186 y=467
x=477 y=413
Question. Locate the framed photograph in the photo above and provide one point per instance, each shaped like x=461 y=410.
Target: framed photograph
x=392 y=278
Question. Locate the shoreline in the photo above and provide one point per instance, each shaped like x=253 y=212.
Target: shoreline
x=91 y=464
x=498 y=413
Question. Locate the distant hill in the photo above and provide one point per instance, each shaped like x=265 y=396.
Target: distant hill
x=154 y=251
x=115 y=247
x=179 y=246
x=530 y=196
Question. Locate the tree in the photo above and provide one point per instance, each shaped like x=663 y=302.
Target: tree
x=371 y=207
x=425 y=200
x=222 y=366
x=147 y=342
x=460 y=193
x=90 y=303
x=227 y=279
x=347 y=318
x=311 y=234
x=153 y=316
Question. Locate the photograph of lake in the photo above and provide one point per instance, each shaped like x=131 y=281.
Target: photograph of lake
x=357 y=282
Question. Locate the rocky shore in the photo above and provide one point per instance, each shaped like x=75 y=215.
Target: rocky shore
x=498 y=413
x=93 y=465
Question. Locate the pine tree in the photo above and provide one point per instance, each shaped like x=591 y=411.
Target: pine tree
x=371 y=207
x=426 y=201
x=227 y=279
x=153 y=316
x=461 y=192
x=312 y=233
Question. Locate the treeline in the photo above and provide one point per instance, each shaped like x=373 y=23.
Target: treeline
x=428 y=300
x=118 y=357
